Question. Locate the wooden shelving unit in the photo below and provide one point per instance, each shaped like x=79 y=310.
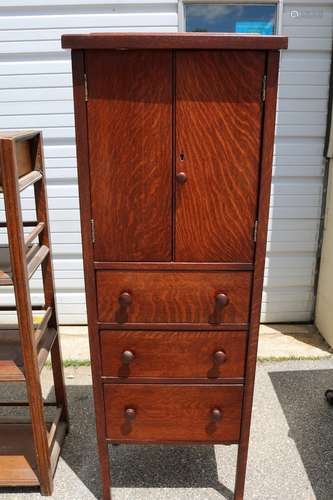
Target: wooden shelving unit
x=29 y=446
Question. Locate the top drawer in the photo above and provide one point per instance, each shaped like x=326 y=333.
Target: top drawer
x=173 y=297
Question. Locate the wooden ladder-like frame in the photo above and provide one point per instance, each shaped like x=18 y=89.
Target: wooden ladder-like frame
x=29 y=447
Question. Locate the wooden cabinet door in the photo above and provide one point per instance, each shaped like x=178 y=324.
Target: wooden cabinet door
x=130 y=148
x=218 y=133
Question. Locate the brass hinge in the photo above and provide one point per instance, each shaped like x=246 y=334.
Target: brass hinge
x=85 y=88
x=92 y=228
x=263 y=88
x=255 y=231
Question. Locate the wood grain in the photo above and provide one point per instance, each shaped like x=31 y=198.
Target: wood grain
x=173 y=354
x=171 y=413
x=156 y=41
x=18 y=465
x=218 y=120
x=130 y=149
x=25 y=350
x=173 y=297
x=174 y=273
x=44 y=240
x=175 y=266
x=265 y=187
x=78 y=68
x=25 y=322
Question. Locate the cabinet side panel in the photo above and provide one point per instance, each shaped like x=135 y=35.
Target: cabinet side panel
x=89 y=275
x=130 y=144
x=218 y=117
x=265 y=187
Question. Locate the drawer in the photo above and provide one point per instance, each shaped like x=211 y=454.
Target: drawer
x=173 y=296
x=170 y=413
x=217 y=354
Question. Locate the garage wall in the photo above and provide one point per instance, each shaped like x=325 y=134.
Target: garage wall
x=298 y=164
x=35 y=92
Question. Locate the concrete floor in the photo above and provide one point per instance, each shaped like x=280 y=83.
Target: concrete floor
x=290 y=457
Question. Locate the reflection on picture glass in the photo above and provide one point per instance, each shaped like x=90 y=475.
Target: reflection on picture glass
x=240 y=18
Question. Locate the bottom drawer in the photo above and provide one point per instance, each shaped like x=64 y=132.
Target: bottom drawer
x=170 y=413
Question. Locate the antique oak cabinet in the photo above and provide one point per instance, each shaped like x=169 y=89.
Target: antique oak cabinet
x=174 y=144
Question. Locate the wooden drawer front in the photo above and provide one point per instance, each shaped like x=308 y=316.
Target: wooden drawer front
x=165 y=413
x=173 y=297
x=173 y=354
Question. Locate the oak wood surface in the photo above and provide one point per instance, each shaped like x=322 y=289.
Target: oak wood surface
x=173 y=297
x=44 y=240
x=176 y=266
x=172 y=354
x=156 y=41
x=218 y=131
x=174 y=326
x=78 y=69
x=17 y=458
x=263 y=210
x=26 y=350
x=165 y=296
x=171 y=413
x=130 y=151
x=23 y=303
x=11 y=357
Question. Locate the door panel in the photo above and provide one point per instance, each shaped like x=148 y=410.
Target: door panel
x=130 y=148
x=218 y=132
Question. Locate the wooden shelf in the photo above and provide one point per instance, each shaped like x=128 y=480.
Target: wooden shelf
x=17 y=456
x=29 y=238
x=34 y=257
x=11 y=361
x=29 y=444
x=27 y=180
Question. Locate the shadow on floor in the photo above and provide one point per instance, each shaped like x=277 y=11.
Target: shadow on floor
x=135 y=466
x=132 y=466
x=310 y=421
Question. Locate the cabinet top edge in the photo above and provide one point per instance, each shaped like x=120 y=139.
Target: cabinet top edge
x=128 y=41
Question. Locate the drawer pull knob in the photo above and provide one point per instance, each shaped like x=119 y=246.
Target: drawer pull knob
x=130 y=413
x=216 y=414
x=127 y=357
x=220 y=357
x=125 y=299
x=221 y=300
x=181 y=177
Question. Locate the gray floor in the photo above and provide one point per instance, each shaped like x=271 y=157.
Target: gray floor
x=291 y=449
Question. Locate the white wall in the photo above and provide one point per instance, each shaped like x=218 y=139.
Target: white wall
x=35 y=92
x=298 y=164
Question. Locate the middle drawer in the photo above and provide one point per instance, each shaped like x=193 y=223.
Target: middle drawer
x=146 y=354
x=173 y=296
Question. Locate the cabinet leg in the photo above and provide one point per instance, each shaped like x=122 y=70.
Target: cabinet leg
x=104 y=470
x=241 y=471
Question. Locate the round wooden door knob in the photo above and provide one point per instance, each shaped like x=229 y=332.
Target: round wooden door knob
x=220 y=357
x=216 y=414
x=130 y=413
x=127 y=357
x=221 y=300
x=181 y=177
x=125 y=299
